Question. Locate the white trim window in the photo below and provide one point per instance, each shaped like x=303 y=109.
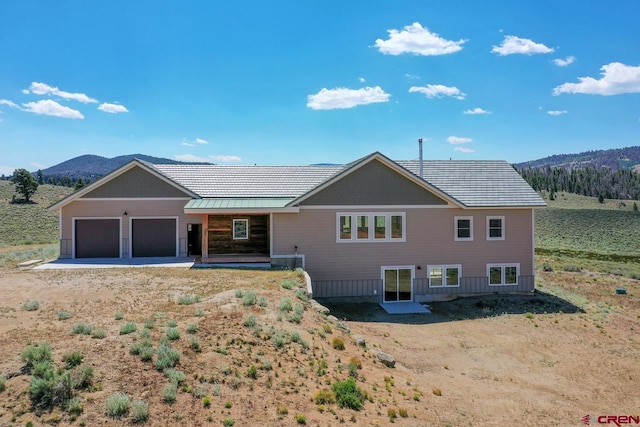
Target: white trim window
x=444 y=276
x=370 y=227
x=463 y=226
x=240 y=229
x=503 y=274
x=495 y=228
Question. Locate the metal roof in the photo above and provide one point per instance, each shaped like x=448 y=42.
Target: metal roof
x=244 y=203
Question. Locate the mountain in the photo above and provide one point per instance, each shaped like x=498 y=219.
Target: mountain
x=617 y=158
x=90 y=167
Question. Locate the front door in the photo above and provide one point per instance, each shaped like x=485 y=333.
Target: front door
x=398 y=283
x=194 y=239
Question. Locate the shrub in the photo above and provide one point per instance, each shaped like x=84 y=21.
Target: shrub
x=250 y=321
x=279 y=339
x=117 y=404
x=348 y=394
x=75 y=406
x=173 y=334
x=192 y=328
x=172 y=323
x=281 y=409
x=63 y=315
x=228 y=422
x=326 y=328
x=285 y=305
x=175 y=375
x=206 y=401
x=3 y=383
x=296 y=315
x=72 y=359
x=31 y=305
x=301 y=419
x=572 y=268
x=199 y=313
x=167 y=357
x=139 y=411
x=188 y=299
x=119 y=315
x=302 y=294
x=146 y=354
x=82 y=377
x=403 y=412
x=263 y=301
x=194 y=344
x=437 y=392
x=239 y=293
x=547 y=266
x=81 y=328
x=324 y=397
x=252 y=372
x=337 y=343
x=99 y=334
x=288 y=283
x=170 y=392
x=392 y=413
x=128 y=328
x=149 y=323
x=249 y=298
x=38 y=352
x=353 y=370
x=528 y=315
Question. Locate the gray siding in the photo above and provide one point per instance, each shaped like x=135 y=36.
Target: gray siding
x=136 y=183
x=421 y=291
x=373 y=184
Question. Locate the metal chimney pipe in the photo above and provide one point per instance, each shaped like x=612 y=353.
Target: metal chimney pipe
x=420 y=145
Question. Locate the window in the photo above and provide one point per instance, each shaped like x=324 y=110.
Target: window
x=463 y=228
x=503 y=274
x=495 y=228
x=370 y=227
x=240 y=229
x=444 y=276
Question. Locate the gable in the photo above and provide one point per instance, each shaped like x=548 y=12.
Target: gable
x=373 y=184
x=134 y=183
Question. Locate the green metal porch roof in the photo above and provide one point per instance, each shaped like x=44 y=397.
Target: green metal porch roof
x=243 y=203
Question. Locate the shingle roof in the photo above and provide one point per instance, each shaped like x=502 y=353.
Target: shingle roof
x=477 y=183
x=213 y=181
x=473 y=183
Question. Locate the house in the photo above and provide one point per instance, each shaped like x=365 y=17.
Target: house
x=372 y=228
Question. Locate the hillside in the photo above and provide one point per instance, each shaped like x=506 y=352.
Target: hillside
x=90 y=167
x=618 y=158
x=30 y=222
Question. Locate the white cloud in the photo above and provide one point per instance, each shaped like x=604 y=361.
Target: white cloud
x=9 y=103
x=361 y=79
x=616 y=79
x=37 y=165
x=412 y=76
x=7 y=170
x=464 y=150
x=458 y=140
x=225 y=159
x=342 y=97
x=190 y=158
x=438 y=91
x=516 y=45
x=476 y=111
x=45 y=89
x=556 y=112
x=112 y=108
x=201 y=141
x=417 y=40
x=564 y=62
x=187 y=144
x=48 y=107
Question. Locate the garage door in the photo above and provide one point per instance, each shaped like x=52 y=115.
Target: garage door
x=97 y=238
x=153 y=237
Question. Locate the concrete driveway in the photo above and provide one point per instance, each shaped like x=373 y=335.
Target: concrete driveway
x=67 y=264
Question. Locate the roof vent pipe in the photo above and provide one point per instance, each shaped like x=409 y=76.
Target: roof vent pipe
x=420 y=145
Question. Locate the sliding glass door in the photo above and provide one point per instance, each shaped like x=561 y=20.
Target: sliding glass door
x=398 y=283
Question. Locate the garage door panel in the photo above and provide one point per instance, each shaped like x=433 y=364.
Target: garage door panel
x=97 y=238
x=153 y=237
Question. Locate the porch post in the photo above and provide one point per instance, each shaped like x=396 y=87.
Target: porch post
x=205 y=236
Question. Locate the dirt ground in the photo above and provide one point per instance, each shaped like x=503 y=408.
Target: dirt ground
x=544 y=360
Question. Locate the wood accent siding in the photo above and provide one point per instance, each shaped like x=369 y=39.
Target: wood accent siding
x=373 y=184
x=220 y=235
x=429 y=241
x=137 y=183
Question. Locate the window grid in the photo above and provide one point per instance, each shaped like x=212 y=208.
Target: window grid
x=371 y=227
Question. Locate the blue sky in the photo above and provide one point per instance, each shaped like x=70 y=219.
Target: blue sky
x=300 y=82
